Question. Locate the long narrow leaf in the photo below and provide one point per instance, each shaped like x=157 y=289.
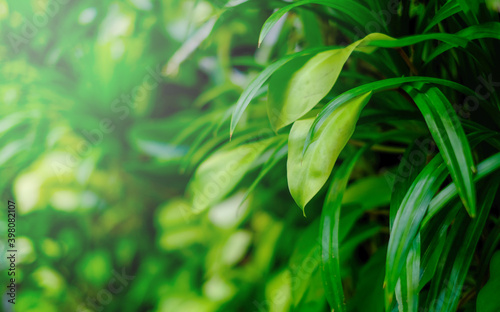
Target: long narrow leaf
x=377 y=86
x=407 y=288
x=457 y=265
x=329 y=232
x=351 y=8
x=408 y=219
x=445 y=128
x=485 y=168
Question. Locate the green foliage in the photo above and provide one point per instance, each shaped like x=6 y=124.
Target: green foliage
x=490 y=290
x=177 y=143
x=308 y=172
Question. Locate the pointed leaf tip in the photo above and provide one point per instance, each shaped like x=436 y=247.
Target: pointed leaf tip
x=308 y=173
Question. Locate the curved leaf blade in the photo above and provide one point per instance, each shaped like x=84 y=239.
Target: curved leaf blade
x=407 y=287
x=222 y=171
x=352 y=9
x=308 y=173
x=484 y=169
x=408 y=220
x=306 y=84
x=377 y=86
x=254 y=86
x=296 y=88
x=329 y=231
x=449 y=135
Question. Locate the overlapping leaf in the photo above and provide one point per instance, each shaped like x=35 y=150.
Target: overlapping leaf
x=307 y=173
x=352 y=9
x=298 y=86
x=222 y=171
x=408 y=220
x=329 y=231
x=446 y=130
x=377 y=86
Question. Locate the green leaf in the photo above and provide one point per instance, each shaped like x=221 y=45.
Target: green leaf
x=253 y=88
x=356 y=237
x=458 y=263
x=352 y=9
x=308 y=173
x=362 y=195
x=407 y=287
x=278 y=154
x=408 y=219
x=447 y=10
x=438 y=282
x=449 y=135
x=487 y=299
x=369 y=294
x=222 y=171
x=485 y=168
x=257 y=83
x=329 y=231
x=433 y=250
x=280 y=283
x=406 y=173
x=487 y=30
x=312 y=29
x=296 y=88
x=306 y=252
x=370 y=192
x=451 y=39
x=377 y=86
x=469 y=5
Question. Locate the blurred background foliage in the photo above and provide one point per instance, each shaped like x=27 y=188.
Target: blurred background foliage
x=108 y=109
x=97 y=146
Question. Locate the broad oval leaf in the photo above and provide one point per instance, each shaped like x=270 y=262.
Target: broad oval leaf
x=255 y=85
x=308 y=173
x=296 y=88
x=253 y=88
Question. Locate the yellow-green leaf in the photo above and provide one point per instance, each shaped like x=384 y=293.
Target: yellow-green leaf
x=222 y=171
x=307 y=84
x=298 y=86
x=308 y=173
